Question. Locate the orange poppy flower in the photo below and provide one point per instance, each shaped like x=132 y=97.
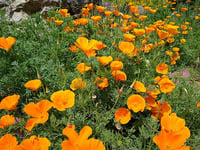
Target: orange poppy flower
x=136 y=103
x=6 y=121
x=64 y=12
x=104 y=60
x=126 y=47
x=83 y=21
x=114 y=25
x=184 y=9
x=99 y=45
x=154 y=93
x=95 y=18
x=166 y=85
x=171 y=140
x=35 y=143
x=162 y=68
x=162 y=34
x=139 y=86
x=183 y=41
x=63 y=99
x=126 y=17
x=142 y=17
x=116 y=65
x=183 y=27
x=133 y=9
x=73 y=48
x=116 y=13
x=100 y=8
x=129 y=37
x=85 y=46
x=176 y=49
x=149 y=29
x=170 y=40
x=122 y=115
x=33 y=84
x=138 y=32
x=9 y=142
x=172 y=123
x=153 y=11
x=198 y=105
x=169 y=53
x=89 y=6
x=92 y=144
x=80 y=141
x=150 y=102
x=77 y=83
x=9 y=102
x=38 y=111
x=59 y=22
x=101 y=82
x=119 y=75
x=82 y=67
x=133 y=25
x=107 y=13
x=185 y=32
x=147 y=8
x=164 y=108
x=7 y=43
x=178 y=15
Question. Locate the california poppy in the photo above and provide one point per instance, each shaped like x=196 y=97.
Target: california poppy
x=85 y=46
x=119 y=75
x=80 y=141
x=9 y=102
x=100 y=8
x=95 y=18
x=162 y=34
x=122 y=115
x=160 y=109
x=107 y=13
x=7 y=43
x=183 y=41
x=105 y=60
x=162 y=68
x=38 y=111
x=73 y=48
x=126 y=47
x=166 y=85
x=9 y=142
x=139 y=86
x=35 y=143
x=116 y=65
x=59 y=22
x=171 y=140
x=64 y=12
x=99 y=45
x=198 y=105
x=33 y=84
x=82 y=67
x=138 y=32
x=77 y=84
x=101 y=82
x=136 y=103
x=6 y=121
x=83 y=21
x=129 y=37
x=63 y=99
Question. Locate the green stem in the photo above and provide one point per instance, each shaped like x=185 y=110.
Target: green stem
x=154 y=128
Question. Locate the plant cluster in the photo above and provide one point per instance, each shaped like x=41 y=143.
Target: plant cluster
x=107 y=73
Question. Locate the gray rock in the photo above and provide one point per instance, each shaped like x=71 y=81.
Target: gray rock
x=15 y=8
x=4 y=3
x=19 y=16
